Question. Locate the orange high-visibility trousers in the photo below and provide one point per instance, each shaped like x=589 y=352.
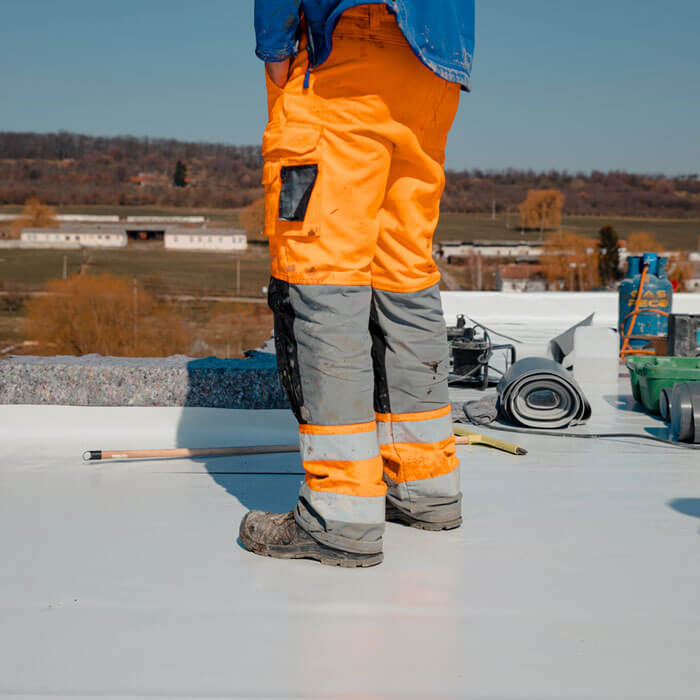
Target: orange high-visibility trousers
x=353 y=177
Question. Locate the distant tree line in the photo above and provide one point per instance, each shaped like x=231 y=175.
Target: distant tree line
x=70 y=169
x=65 y=168
x=615 y=193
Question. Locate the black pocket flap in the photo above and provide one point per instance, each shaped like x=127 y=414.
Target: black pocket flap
x=297 y=185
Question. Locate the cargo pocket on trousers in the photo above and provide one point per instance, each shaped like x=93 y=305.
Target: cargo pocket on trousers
x=291 y=177
x=297 y=185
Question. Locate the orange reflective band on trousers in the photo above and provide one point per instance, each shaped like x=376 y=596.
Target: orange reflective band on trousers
x=366 y=207
x=417 y=446
x=342 y=459
x=351 y=459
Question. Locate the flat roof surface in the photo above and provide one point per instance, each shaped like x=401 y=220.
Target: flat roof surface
x=576 y=573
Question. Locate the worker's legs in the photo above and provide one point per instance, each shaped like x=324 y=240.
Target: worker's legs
x=413 y=412
x=410 y=341
x=340 y=155
x=325 y=175
x=323 y=354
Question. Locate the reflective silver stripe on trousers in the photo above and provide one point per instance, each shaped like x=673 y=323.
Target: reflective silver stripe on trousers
x=331 y=331
x=350 y=523
x=416 y=360
x=345 y=448
x=421 y=431
x=433 y=500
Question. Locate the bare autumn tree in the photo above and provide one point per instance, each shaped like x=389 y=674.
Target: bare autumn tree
x=643 y=242
x=253 y=217
x=34 y=215
x=103 y=314
x=541 y=209
x=570 y=261
x=608 y=255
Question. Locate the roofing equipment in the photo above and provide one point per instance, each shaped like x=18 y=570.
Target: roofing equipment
x=649 y=375
x=645 y=301
x=537 y=392
x=665 y=404
x=685 y=411
x=470 y=354
x=563 y=345
x=684 y=335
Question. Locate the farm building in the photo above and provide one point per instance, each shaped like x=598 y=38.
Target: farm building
x=222 y=240
x=73 y=236
x=119 y=235
x=166 y=219
x=490 y=249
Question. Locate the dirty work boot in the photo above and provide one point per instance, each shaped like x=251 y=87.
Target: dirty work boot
x=278 y=535
x=395 y=515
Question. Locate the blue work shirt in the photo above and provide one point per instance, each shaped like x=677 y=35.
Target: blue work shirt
x=440 y=32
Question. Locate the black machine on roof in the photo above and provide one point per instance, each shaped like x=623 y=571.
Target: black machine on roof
x=471 y=350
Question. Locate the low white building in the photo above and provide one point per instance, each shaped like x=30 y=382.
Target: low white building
x=119 y=235
x=88 y=218
x=166 y=219
x=491 y=249
x=220 y=240
x=70 y=238
x=509 y=249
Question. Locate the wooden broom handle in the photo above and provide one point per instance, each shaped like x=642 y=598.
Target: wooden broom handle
x=96 y=455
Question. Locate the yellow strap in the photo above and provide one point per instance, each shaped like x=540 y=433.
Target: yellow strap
x=473 y=438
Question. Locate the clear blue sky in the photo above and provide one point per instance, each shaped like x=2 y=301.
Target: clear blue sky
x=568 y=84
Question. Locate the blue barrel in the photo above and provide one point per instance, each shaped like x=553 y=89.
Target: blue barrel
x=657 y=295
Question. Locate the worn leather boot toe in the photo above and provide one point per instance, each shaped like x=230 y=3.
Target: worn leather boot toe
x=278 y=535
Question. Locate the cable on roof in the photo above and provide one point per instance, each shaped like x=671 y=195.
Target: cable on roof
x=588 y=436
x=491 y=330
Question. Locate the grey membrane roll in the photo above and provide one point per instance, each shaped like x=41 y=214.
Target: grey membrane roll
x=665 y=404
x=537 y=392
x=685 y=411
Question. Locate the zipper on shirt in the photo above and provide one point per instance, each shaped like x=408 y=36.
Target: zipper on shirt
x=310 y=50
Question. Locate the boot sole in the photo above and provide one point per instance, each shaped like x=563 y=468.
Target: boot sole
x=394 y=515
x=315 y=551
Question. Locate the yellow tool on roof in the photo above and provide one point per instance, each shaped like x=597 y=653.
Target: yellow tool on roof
x=469 y=437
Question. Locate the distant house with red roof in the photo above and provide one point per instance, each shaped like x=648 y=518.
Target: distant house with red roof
x=522 y=277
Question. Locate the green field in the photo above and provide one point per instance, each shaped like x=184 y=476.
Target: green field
x=213 y=328
x=219 y=328
x=157 y=270
x=681 y=234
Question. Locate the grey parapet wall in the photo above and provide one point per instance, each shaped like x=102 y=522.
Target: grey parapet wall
x=94 y=380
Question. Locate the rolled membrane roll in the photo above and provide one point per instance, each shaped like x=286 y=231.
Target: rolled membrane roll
x=685 y=411
x=537 y=392
x=665 y=404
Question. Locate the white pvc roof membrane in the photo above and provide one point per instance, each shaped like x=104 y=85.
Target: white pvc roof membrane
x=575 y=575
